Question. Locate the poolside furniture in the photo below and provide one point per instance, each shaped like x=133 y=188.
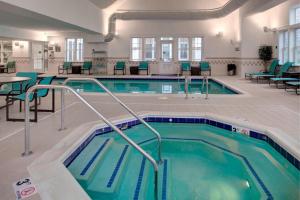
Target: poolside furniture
x=293 y=84
x=195 y=71
x=185 y=67
x=10 y=67
x=134 y=70
x=120 y=66
x=284 y=68
x=33 y=96
x=144 y=66
x=204 y=67
x=279 y=77
x=67 y=66
x=87 y=66
x=271 y=70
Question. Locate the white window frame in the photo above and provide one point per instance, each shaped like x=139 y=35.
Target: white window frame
x=183 y=40
x=296 y=47
x=74 y=53
x=152 y=49
x=138 y=48
x=283 y=47
x=196 y=48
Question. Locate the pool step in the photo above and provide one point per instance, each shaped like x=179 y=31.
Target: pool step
x=106 y=180
x=83 y=167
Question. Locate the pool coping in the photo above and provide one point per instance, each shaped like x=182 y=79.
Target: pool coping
x=58 y=182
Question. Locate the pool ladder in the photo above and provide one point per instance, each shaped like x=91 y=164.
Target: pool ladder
x=188 y=80
x=108 y=122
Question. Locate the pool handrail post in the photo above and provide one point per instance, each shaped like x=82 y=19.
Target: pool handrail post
x=206 y=96
x=62 y=113
x=186 y=87
x=124 y=106
x=82 y=99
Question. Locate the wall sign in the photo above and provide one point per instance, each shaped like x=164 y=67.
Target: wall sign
x=241 y=130
x=24 y=188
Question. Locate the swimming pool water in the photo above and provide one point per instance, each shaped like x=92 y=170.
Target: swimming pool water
x=200 y=162
x=156 y=86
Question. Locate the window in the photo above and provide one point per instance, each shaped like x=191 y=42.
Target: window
x=183 y=49
x=149 y=48
x=283 y=47
x=5 y=50
x=136 y=49
x=297 y=47
x=74 y=49
x=297 y=15
x=197 y=49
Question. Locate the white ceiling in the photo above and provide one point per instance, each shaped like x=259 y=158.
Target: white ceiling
x=22 y=18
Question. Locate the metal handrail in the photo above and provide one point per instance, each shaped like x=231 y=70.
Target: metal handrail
x=62 y=87
x=205 y=78
x=124 y=106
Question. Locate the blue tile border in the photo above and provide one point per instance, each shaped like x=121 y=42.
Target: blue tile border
x=117 y=167
x=140 y=179
x=198 y=120
x=86 y=168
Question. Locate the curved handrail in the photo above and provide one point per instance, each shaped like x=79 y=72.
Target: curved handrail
x=62 y=87
x=124 y=106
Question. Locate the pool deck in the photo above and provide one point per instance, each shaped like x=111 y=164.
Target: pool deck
x=259 y=104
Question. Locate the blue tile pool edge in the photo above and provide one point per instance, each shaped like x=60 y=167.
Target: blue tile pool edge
x=197 y=120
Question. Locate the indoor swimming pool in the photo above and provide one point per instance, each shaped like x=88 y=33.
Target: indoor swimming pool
x=201 y=160
x=151 y=86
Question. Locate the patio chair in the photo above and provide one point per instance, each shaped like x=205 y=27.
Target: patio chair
x=271 y=70
x=33 y=97
x=284 y=68
x=279 y=77
x=120 y=66
x=10 y=67
x=65 y=67
x=87 y=66
x=204 y=67
x=293 y=84
x=185 y=67
x=144 y=65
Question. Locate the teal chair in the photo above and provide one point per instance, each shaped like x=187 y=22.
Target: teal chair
x=39 y=93
x=293 y=84
x=66 y=66
x=10 y=67
x=279 y=77
x=144 y=65
x=285 y=67
x=271 y=70
x=185 y=67
x=87 y=66
x=120 y=66
x=205 y=67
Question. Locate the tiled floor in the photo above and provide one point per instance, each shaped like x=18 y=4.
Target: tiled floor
x=262 y=104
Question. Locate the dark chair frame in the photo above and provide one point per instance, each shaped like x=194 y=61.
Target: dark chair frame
x=34 y=108
x=123 y=70
x=62 y=69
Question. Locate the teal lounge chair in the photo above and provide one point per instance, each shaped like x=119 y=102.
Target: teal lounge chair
x=144 y=65
x=32 y=96
x=185 y=67
x=271 y=71
x=87 y=66
x=67 y=66
x=205 y=67
x=120 y=66
x=293 y=84
x=279 y=77
x=284 y=68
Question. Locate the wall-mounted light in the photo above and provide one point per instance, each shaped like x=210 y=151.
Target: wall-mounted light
x=236 y=44
x=17 y=44
x=266 y=29
x=219 y=34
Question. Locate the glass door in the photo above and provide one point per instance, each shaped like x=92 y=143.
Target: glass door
x=166 y=66
x=38 y=57
x=167 y=52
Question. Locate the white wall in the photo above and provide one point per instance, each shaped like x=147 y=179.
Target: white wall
x=24 y=34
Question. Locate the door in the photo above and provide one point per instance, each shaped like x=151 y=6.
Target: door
x=166 y=65
x=38 y=57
